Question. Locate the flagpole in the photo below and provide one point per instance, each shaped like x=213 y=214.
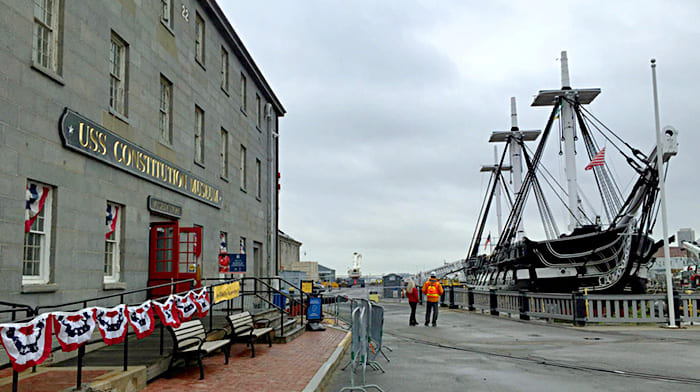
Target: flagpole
x=662 y=201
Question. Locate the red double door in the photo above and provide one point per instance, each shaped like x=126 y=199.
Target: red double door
x=175 y=254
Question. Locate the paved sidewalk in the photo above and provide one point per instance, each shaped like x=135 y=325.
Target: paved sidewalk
x=282 y=367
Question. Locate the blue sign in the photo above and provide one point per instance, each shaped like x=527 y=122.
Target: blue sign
x=236 y=262
x=314 y=311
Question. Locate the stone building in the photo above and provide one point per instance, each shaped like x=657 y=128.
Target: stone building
x=141 y=137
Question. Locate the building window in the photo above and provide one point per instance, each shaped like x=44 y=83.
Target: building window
x=224 y=153
x=241 y=248
x=117 y=75
x=113 y=237
x=258 y=178
x=244 y=104
x=167 y=13
x=166 y=105
x=258 y=111
x=46 y=34
x=223 y=242
x=243 y=169
x=199 y=39
x=198 y=135
x=224 y=69
x=37 y=233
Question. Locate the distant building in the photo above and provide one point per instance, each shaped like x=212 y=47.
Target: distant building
x=326 y=274
x=679 y=260
x=686 y=234
x=288 y=249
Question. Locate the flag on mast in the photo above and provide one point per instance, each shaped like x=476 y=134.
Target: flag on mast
x=488 y=240
x=598 y=160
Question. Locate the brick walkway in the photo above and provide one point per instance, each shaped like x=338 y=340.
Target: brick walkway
x=280 y=368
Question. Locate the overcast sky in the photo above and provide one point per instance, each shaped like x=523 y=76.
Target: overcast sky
x=390 y=105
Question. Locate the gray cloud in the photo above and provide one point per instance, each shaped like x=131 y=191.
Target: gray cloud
x=390 y=106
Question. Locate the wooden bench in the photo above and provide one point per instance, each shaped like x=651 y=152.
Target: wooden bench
x=243 y=329
x=190 y=340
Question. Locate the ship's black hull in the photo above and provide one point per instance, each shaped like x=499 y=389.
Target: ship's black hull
x=613 y=260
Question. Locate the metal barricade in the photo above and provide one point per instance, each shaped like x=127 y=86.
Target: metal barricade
x=360 y=347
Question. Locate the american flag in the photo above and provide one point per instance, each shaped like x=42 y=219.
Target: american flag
x=598 y=160
x=488 y=240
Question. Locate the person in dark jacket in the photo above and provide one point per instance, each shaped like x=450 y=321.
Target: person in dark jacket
x=412 y=295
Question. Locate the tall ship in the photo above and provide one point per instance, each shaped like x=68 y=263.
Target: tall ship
x=607 y=252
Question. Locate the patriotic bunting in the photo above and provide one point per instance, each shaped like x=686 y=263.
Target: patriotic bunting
x=111 y=219
x=167 y=312
x=186 y=306
x=27 y=344
x=202 y=302
x=141 y=319
x=73 y=329
x=34 y=202
x=111 y=323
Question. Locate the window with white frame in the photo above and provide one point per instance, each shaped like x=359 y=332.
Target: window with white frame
x=166 y=15
x=46 y=34
x=117 y=75
x=243 y=168
x=113 y=236
x=258 y=111
x=258 y=178
x=224 y=153
x=37 y=234
x=199 y=39
x=224 y=69
x=198 y=135
x=166 y=104
x=244 y=104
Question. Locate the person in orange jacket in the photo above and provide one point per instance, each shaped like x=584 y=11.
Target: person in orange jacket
x=432 y=290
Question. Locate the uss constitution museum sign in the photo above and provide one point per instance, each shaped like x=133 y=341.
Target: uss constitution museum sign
x=87 y=137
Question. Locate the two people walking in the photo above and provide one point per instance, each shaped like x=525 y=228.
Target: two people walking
x=432 y=290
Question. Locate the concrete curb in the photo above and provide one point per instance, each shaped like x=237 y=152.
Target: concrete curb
x=323 y=374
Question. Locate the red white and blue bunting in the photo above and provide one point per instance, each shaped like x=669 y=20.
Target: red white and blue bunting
x=29 y=344
x=73 y=329
x=111 y=323
x=111 y=219
x=186 y=306
x=202 y=302
x=141 y=319
x=33 y=204
x=167 y=311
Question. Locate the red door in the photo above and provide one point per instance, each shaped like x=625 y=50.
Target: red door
x=163 y=258
x=189 y=260
x=175 y=254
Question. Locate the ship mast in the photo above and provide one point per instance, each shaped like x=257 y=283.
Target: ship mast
x=567 y=97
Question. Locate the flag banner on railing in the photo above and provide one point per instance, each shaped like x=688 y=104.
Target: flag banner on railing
x=141 y=319
x=73 y=329
x=186 y=306
x=202 y=302
x=27 y=344
x=111 y=323
x=167 y=312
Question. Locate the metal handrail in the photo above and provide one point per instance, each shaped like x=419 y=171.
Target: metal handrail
x=81 y=350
